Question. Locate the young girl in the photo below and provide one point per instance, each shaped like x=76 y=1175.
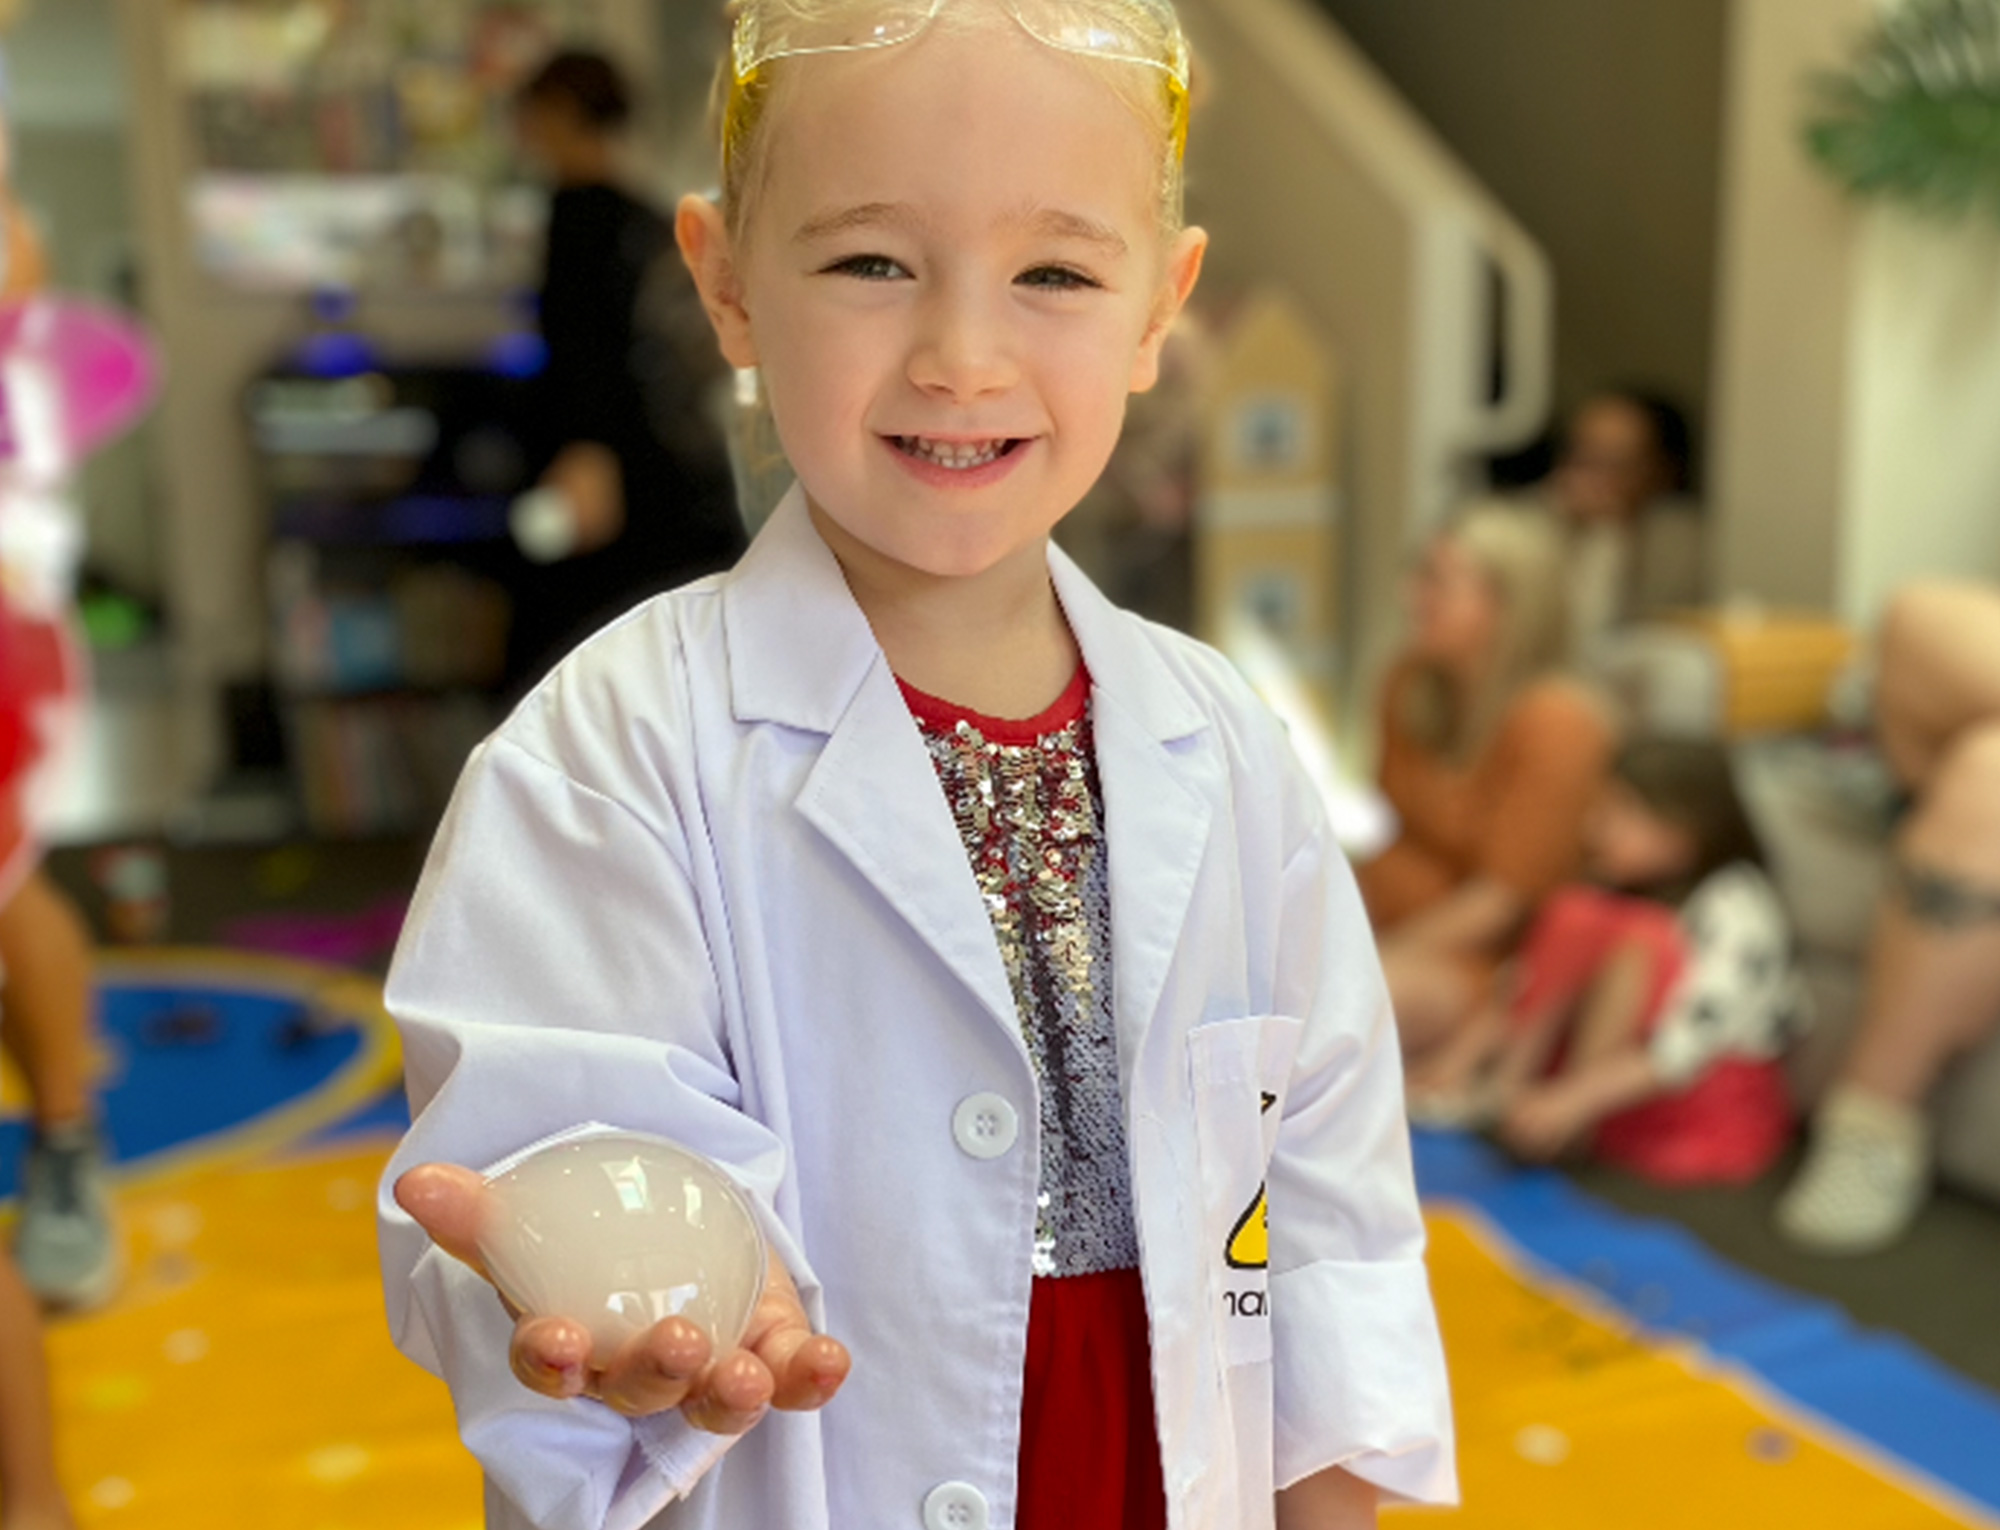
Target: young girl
x=992 y=937
x=1646 y=1014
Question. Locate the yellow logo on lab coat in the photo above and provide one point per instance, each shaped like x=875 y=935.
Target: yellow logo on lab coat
x=1250 y=1240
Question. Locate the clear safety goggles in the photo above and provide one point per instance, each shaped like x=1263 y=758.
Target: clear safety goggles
x=1125 y=31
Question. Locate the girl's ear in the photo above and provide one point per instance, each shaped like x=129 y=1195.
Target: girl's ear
x=703 y=235
x=1183 y=271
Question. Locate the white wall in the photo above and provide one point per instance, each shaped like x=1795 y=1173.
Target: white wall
x=1923 y=465
x=1857 y=394
x=1312 y=220
x=58 y=59
x=1314 y=176
x=1597 y=123
x=1784 y=296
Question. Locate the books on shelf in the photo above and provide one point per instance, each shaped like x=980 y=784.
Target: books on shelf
x=382 y=764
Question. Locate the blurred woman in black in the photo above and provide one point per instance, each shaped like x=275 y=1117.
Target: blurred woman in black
x=635 y=494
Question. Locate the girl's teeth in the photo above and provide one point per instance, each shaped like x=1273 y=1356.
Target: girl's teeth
x=955 y=455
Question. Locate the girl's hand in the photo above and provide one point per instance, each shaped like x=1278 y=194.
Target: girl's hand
x=587 y=474
x=781 y=1362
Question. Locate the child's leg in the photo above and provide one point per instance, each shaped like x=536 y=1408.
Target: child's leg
x=1450 y=1070
x=45 y=955
x=1532 y=1040
x=1576 y=934
x=1608 y=1068
x=65 y=1241
x=1432 y=995
x=30 y=1496
x=1619 y=1003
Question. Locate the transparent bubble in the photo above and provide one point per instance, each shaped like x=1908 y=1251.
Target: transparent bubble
x=617 y=1232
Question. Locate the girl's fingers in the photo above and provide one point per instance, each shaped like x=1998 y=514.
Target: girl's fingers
x=551 y=1356
x=449 y=1203
x=733 y=1396
x=810 y=1374
x=656 y=1371
x=806 y=1368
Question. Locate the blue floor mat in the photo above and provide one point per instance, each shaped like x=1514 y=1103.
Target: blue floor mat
x=1876 y=1386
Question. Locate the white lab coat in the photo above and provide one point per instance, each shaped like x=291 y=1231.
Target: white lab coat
x=704 y=883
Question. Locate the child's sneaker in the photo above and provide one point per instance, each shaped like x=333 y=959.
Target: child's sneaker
x=65 y=1242
x=1865 y=1178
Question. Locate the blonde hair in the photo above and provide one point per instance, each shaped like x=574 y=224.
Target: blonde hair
x=1520 y=554
x=743 y=109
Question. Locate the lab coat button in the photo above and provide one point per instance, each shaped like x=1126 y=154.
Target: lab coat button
x=955 y=1506
x=984 y=1126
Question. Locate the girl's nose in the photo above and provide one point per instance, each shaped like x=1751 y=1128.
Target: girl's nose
x=964 y=350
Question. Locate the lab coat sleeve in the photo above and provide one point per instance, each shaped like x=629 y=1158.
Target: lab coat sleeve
x=1359 y=1373
x=554 y=974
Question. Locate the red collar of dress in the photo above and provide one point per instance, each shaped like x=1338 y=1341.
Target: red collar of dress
x=1066 y=709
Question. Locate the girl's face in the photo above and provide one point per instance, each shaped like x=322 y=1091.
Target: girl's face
x=1455 y=612
x=953 y=277
x=1627 y=844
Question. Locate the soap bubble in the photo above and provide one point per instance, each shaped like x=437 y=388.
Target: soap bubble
x=621 y=1230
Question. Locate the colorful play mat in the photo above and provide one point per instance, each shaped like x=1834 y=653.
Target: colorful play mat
x=1609 y=1371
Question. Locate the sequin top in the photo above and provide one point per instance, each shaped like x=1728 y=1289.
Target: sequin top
x=1026 y=799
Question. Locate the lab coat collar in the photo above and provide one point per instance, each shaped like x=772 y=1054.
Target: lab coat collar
x=799 y=647
x=801 y=654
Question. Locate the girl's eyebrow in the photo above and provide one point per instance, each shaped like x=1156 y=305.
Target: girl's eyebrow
x=1052 y=222
x=1056 y=223
x=866 y=215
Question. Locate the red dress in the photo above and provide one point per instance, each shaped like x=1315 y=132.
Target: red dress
x=1724 y=1125
x=1024 y=795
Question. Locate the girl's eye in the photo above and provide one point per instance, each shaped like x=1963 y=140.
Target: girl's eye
x=1057 y=279
x=868 y=268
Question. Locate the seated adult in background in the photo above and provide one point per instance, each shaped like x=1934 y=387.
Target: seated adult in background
x=1491 y=758
x=1933 y=987
x=1636 y=542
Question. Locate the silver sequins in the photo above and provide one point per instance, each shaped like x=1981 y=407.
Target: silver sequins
x=1028 y=815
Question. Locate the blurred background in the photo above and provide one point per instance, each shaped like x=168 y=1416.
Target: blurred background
x=1712 y=286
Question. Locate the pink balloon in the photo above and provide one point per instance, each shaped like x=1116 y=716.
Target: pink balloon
x=105 y=365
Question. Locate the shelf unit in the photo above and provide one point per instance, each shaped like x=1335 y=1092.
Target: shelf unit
x=387 y=568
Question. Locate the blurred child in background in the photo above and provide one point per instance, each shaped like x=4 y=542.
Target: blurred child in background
x=1644 y=1018
x=63 y=1246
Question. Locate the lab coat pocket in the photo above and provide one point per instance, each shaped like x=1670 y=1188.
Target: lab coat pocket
x=1238 y=1070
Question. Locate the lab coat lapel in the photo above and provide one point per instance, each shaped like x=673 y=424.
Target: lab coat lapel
x=801 y=654
x=1153 y=762
x=875 y=795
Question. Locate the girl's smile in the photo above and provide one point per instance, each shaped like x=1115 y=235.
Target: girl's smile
x=948 y=462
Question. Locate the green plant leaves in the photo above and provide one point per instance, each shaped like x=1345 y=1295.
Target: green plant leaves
x=1917 y=116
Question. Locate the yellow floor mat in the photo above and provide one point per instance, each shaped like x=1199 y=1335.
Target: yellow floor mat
x=1568 y=1420
x=245 y=1378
